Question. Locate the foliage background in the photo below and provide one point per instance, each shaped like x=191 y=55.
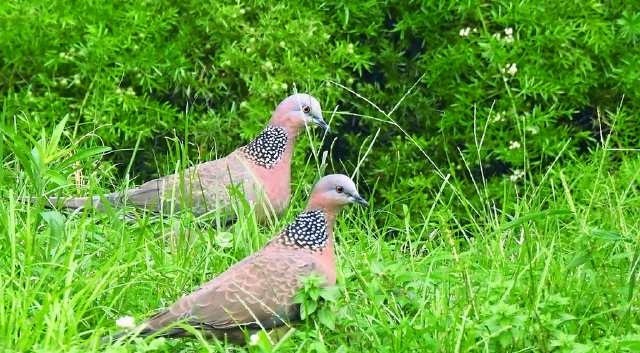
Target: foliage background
x=160 y=81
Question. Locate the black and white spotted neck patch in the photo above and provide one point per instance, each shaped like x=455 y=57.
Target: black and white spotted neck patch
x=267 y=149
x=307 y=231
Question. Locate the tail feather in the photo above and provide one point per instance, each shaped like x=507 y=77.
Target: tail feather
x=98 y=202
x=170 y=333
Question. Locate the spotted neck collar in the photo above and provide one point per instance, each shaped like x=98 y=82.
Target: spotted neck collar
x=307 y=231
x=267 y=149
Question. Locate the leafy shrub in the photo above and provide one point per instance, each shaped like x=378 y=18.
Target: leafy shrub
x=499 y=87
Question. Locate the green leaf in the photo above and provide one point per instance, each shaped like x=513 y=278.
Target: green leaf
x=326 y=318
x=630 y=342
x=56 y=135
x=605 y=234
x=84 y=154
x=55 y=220
x=330 y=294
x=579 y=259
x=535 y=216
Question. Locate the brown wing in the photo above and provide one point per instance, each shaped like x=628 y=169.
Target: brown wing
x=257 y=292
x=202 y=188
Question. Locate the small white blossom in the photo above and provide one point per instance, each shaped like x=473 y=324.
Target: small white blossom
x=498 y=117
x=496 y=35
x=350 y=48
x=517 y=175
x=510 y=69
x=126 y=322
x=513 y=145
x=464 y=32
x=254 y=339
x=267 y=65
x=508 y=31
x=533 y=130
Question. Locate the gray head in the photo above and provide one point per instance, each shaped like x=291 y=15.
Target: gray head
x=334 y=191
x=297 y=111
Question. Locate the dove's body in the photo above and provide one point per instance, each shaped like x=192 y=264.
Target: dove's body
x=258 y=292
x=255 y=293
x=260 y=170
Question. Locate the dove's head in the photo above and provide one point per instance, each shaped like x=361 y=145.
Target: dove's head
x=333 y=191
x=298 y=111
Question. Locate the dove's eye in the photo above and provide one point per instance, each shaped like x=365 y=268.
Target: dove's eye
x=339 y=189
x=306 y=109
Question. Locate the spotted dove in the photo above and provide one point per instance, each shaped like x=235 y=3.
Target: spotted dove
x=258 y=292
x=261 y=169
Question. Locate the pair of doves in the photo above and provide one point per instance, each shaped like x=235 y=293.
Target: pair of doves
x=257 y=292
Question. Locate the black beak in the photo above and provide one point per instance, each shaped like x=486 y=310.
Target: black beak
x=320 y=122
x=359 y=200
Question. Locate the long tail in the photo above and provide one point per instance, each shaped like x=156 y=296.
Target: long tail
x=171 y=333
x=97 y=202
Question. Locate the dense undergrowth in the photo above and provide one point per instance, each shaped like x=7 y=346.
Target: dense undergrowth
x=498 y=143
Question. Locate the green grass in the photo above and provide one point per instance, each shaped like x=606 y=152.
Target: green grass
x=555 y=273
x=505 y=207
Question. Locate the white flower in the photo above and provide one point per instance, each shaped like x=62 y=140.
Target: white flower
x=126 y=322
x=533 y=130
x=464 y=32
x=498 y=117
x=508 y=35
x=517 y=175
x=350 y=48
x=514 y=145
x=254 y=340
x=510 y=69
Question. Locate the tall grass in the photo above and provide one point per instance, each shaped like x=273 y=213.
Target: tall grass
x=548 y=266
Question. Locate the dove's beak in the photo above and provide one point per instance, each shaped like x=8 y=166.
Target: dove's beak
x=318 y=120
x=359 y=200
